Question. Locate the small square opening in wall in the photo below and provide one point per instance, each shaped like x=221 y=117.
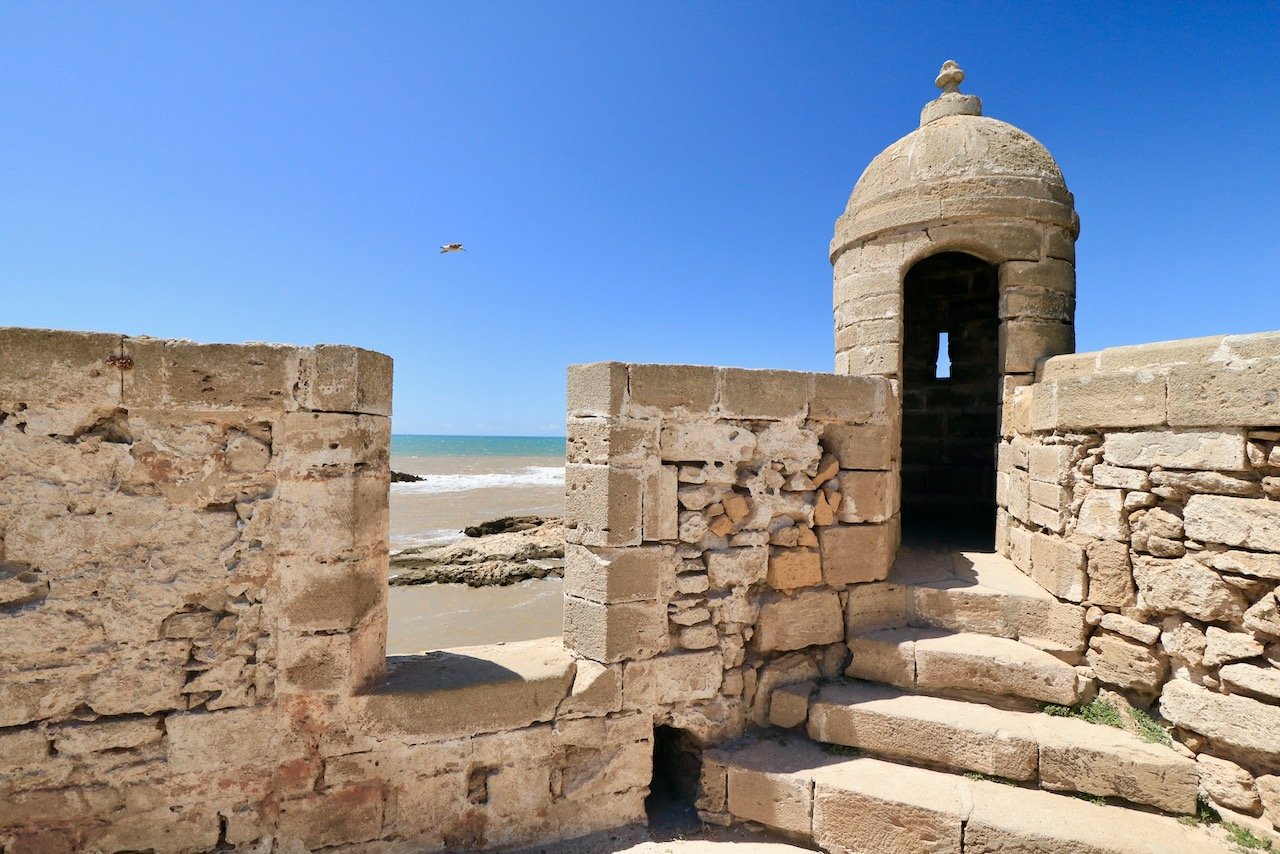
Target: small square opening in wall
x=942 y=368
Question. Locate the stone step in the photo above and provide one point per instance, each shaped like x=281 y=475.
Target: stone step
x=935 y=661
x=1060 y=754
x=967 y=592
x=871 y=806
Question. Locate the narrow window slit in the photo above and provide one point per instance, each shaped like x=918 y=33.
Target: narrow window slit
x=942 y=369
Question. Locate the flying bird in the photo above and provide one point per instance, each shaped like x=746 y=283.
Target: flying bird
x=452 y=247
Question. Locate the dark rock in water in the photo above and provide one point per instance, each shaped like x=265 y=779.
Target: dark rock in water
x=507 y=524
x=531 y=547
x=401 y=477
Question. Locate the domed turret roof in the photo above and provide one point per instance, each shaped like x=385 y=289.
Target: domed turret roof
x=956 y=147
x=957 y=166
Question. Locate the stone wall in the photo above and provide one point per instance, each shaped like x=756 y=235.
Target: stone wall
x=1144 y=483
x=716 y=520
x=193 y=619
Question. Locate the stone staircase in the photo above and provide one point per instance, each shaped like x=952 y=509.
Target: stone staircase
x=936 y=741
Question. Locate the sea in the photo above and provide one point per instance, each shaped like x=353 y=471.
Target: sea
x=471 y=479
x=467 y=480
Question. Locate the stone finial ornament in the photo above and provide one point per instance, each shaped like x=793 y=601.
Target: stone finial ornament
x=952 y=102
x=950 y=77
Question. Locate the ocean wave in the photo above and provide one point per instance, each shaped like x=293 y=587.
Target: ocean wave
x=436 y=483
x=430 y=537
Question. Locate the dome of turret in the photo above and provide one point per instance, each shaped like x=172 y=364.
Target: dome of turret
x=958 y=165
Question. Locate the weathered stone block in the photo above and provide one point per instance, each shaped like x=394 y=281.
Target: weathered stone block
x=868 y=805
x=808 y=618
x=852 y=554
x=1052 y=274
x=887 y=656
x=1217 y=450
x=851 y=399
x=44 y=366
x=1050 y=463
x=1059 y=567
x=737 y=567
x=618 y=575
x=1108 y=400
x=1110 y=574
x=872 y=446
x=331 y=597
x=793 y=568
x=201 y=741
x=1254 y=680
x=1102 y=515
x=1227 y=783
x=1245 y=522
x=660 y=520
x=1223 y=646
x=349 y=379
x=609 y=633
x=875 y=606
x=597 y=389
x=1116 y=477
x=469 y=690
x=764 y=394
x=317 y=445
x=339 y=816
x=1232 y=721
x=120 y=734
x=332 y=518
x=624 y=442
x=692 y=388
x=868 y=496
x=674 y=678
x=706 y=441
x=1218 y=394
x=1129 y=666
x=1188 y=587
x=603 y=505
x=1025 y=342
x=183 y=374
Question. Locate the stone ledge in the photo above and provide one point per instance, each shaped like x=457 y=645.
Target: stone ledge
x=469 y=690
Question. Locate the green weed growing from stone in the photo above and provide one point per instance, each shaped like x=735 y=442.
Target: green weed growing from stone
x=1245 y=839
x=1097 y=712
x=1149 y=728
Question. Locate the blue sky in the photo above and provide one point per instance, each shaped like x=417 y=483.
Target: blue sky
x=636 y=181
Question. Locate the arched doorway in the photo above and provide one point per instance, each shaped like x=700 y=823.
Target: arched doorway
x=951 y=395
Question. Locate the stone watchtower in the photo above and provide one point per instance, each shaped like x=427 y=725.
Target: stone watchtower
x=954 y=273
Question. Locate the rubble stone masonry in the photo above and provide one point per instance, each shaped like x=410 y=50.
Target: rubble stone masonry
x=1144 y=483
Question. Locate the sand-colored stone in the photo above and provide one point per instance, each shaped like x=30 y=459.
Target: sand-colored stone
x=1186 y=586
x=962 y=736
x=613 y=632
x=1215 y=450
x=869 y=805
x=808 y=618
x=852 y=554
x=471 y=689
x=793 y=568
x=1238 y=723
x=997 y=666
x=1243 y=522
x=1227 y=783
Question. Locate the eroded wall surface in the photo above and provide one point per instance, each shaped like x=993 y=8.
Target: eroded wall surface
x=193 y=621
x=717 y=520
x=1144 y=483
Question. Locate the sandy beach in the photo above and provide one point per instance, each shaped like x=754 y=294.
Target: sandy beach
x=467 y=481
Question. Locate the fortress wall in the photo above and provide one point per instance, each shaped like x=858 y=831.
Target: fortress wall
x=1144 y=482
x=719 y=522
x=193 y=619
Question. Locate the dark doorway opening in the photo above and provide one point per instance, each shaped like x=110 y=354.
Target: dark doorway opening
x=677 y=772
x=950 y=399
